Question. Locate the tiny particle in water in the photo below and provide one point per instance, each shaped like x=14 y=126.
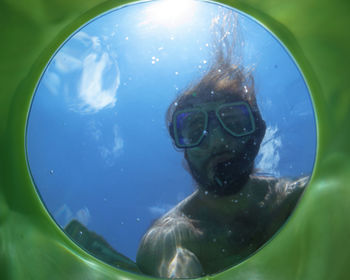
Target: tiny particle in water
x=176 y=73
x=222 y=139
x=207 y=45
x=153 y=62
x=153 y=57
x=172 y=38
x=126 y=38
x=122 y=223
x=212 y=92
x=175 y=103
x=223 y=250
x=199 y=66
x=206 y=192
x=219 y=70
x=51 y=171
x=226 y=146
x=214 y=239
x=236 y=201
x=138 y=219
x=157 y=59
x=80 y=232
x=204 y=61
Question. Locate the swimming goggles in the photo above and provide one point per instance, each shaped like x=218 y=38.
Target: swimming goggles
x=190 y=125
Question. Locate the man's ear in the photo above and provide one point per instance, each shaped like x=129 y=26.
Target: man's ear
x=263 y=129
x=186 y=155
x=185 y=165
x=171 y=129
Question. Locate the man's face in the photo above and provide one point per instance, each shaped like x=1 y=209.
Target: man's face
x=222 y=162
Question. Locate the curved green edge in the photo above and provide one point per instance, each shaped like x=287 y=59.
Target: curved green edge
x=313 y=244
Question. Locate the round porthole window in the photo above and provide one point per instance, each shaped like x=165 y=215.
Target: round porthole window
x=171 y=138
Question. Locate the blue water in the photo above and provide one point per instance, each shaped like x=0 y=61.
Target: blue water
x=98 y=146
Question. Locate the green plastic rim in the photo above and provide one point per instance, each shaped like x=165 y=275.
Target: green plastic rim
x=312 y=245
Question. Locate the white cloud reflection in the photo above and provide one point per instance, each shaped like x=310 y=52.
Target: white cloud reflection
x=83 y=216
x=109 y=154
x=94 y=127
x=92 y=94
x=64 y=215
x=269 y=152
x=108 y=150
x=52 y=81
x=86 y=72
x=159 y=210
x=87 y=40
x=66 y=63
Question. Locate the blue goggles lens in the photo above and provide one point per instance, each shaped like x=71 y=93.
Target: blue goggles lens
x=190 y=125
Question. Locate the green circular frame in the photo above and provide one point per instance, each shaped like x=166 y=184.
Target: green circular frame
x=314 y=244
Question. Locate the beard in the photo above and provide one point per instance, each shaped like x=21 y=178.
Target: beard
x=223 y=174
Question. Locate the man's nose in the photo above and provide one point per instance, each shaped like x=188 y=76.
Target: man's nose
x=215 y=134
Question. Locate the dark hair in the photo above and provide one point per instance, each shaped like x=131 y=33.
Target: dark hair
x=226 y=79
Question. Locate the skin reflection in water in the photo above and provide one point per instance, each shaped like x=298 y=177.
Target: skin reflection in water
x=218 y=125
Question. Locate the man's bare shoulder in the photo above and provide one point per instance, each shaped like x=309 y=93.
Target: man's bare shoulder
x=278 y=189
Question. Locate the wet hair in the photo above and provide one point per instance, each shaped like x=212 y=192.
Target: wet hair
x=226 y=78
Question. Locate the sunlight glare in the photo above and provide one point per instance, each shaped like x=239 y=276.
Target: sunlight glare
x=171 y=12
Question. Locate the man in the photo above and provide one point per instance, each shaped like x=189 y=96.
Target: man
x=233 y=212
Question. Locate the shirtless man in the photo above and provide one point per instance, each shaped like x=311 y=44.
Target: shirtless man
x=233 y=212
